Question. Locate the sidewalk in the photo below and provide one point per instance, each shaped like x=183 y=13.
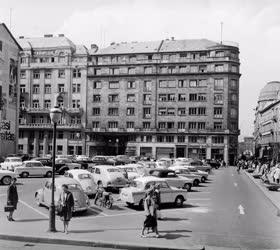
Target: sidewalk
x=100 y=231
x=272 y=196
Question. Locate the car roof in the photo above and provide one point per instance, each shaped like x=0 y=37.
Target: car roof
x=146 y=179
x=104 y=166
x=78 y=171
x=32 y=161
x=64 y=180
x=129 y=166
x=13 y=157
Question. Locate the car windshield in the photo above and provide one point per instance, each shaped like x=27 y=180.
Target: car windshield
x=14 y=160
x=36 y=164
x=74 y=186
x=84 y=176
x=130 y=170
x=112 y=170
x=137 y=184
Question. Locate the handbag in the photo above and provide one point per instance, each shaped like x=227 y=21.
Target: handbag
x=60 y=210
x=9 y=208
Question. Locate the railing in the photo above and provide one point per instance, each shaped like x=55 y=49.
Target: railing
x=49 y=125
x=37 y=110
x=74 y=110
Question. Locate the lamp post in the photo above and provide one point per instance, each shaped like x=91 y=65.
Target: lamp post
x=55 y=115
x=117 y=141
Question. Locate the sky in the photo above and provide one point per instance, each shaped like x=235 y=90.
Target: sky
x=254 y=24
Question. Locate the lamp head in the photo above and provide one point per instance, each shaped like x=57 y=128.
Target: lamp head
x=55 y=114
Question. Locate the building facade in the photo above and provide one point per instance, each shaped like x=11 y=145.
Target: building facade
x=177 y=98
x=267 y=122
x=52 y=66
x=9 y=72
x=247 y=146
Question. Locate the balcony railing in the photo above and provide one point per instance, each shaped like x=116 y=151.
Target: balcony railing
x=74 y=110
x=38 y=110
x=49 y=125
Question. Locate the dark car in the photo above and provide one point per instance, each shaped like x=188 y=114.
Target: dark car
x=213 y=163
x=123 y=159
x=44 y=161
x=102 y=160
x=62 y=165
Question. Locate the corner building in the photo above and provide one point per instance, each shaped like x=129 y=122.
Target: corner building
x=175 y=98
x=52 y=66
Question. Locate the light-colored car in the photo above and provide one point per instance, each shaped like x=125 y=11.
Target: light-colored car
x=110 y=176
x=130 y=170
x=164 y=163
x=172 y=178
x=33 y=168
x=193 y=170
x=82 y=158
x=85 y=179
x=6 y=176
x=10 y=163
x=81 y=200
x=185 y=172
x=135 y=194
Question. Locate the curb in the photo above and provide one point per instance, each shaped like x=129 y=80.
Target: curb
x=263 y=191
x=89 y=243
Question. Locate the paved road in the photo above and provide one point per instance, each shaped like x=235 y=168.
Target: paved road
x=229 y=211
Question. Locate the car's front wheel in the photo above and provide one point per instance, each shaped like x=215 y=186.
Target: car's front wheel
x=179 y=201
x=6 y=180
x=187 y=186
x=141 y=205
x=49 y=174
x=203 y=179
x=196 y=182
x=24 y=175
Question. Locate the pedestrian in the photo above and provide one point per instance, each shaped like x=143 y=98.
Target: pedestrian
x=277 y=174
x=66 y=202
x=12 y=198
x=150 y=211
x=99 y=192
x=224 y=164
x=156 y=196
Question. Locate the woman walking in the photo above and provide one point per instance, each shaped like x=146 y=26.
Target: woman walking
x=12 y=198
x=157 y=200
x=66 y=201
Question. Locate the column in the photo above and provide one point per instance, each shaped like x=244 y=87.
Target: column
x=208 y=148
x=35 y=146
x=226 y=149
x=154 y=152
x=45 y=145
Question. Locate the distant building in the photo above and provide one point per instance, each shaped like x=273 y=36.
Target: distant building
x=52 y=65
x=247 y=146
x=267 y=122
x=177 y=98
x=9 y=72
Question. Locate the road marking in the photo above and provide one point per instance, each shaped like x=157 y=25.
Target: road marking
x=235 y=184
x=34 y=209
x=241 y=209
x=92 y=209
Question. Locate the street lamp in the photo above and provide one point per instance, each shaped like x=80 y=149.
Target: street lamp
x=55 y=115
x=117 y=141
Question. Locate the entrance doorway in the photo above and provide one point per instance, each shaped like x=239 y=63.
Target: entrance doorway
x=180 y=151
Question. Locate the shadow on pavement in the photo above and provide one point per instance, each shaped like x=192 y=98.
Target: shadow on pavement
x=85 y=231
x=172 y=235
x=173 y=219
x=31 y=220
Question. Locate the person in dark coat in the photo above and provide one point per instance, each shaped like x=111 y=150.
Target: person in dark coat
x=12 y=198
x=66 y=200
x=157 y=200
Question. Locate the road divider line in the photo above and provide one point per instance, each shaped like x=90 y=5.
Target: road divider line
x=241 y=209
x=34 y=209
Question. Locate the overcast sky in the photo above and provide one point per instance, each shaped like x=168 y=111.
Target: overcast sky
x=254 y=24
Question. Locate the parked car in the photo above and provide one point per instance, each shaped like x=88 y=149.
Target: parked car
x=185 y=172
x=64 y=164
x=6 y=176
x=135 y=193
x=213 y=163
x=10 y=163
x=102 y=160
x=70 y=157
x=123 y=159
x=199 y=165
x=172 y=178
x=164 y=163
x=130 y=170
x=33 y=168
x=193 y=170
x=85 y=179
x=44 y=161
x=110 y=176
x=81 y=200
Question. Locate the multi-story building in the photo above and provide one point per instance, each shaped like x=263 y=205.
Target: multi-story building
x=52 y=66
x=164 y=98
x=247 y=146
x=267 y=122
x=9 y=72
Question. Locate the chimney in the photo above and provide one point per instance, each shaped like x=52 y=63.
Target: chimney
x=60 y=35
x=48 y=35
x=94 y=47
x=21 y=37
x=172 y=38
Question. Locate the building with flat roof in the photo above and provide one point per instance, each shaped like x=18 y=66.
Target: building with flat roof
x=9 y=85
x=176 y=98
x=51 y=66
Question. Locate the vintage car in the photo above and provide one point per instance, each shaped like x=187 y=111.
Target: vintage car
x=185 y=172
x=64 y=164
x=43 y=195
x=33 y=168
x=6 y=176
x=103 y=160
x=192 y=170
x=85 y=179
x=135 y=193
x=172 y=178
x=10 y=163
x=123 y=159
x=129 y=171
x=44 y=160
x=110 y=176
x=164 y=163
x=199 y=165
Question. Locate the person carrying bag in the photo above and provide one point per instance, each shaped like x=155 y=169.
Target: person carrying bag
x=12 y=199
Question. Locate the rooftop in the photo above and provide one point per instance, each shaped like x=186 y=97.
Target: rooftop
x=270 y=92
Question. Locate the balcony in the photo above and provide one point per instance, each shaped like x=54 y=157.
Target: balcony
x=49 y=125
x=38 y=110
x=74 y=110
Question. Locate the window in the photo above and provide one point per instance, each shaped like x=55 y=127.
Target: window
x=182 y=69
x=234 y=68
x=61 y=73
x=162 y=111
x=41 y=119
x=169 y=138
x=193 y=83
x=171 y=111
x=192 y=111
x=115 y=71
x=95 y=124
x=33 y=120
x=96 y=98
x=60 y=103
x=182 y=97
x=48 y=74
x=131 y=98
x=22 y=74
x=22 y=88
x=131 y=85
x=60 y=88
x=162 y=125
x=233 y=113
x=202 y=68
x=166 y=97
x=182 y=111
x=182 y=83
x=130 y=111
x=147 y=86
x=217 y=139
x=181 y=138
x=97 y=85
x=146 y=125
x=131 y=71
x=36 y=74
x=114 y=85
x=197 y=97
x=194 y=69
x=97 y=72
x=147 y=98
x=218 y=112
x=95 y=111
x=220 y=53
x=47 y=104
x=76 y=88
x=219 y=84
x=22 y=103
x=130 y=125
x=72 y=135
x=202 y=83
x=77 y=73
x=112 y=124
x=218 y=125
x=218 y=99
x=193 y=139
x=233 y=84
x=113 y=111
x=148 y=70
x=172 y=70
x=201 y=111
x=146 y=112
x=219 y=68
x=60 y=135
x=233 y=97
x=160 y=138
x=201 y=125
x=163 y=70
x=47 y=89
x=181 y=125
x=233 y=126
x=113 y=98
x=167 y=84
x=192 y=125
x=76 y=103
x=35 y=104
x=41 y=135
x=36 y=89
